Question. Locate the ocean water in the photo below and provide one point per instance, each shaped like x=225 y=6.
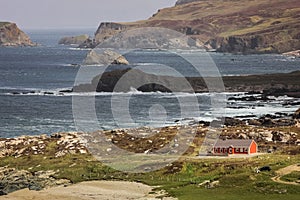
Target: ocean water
x=31 y=78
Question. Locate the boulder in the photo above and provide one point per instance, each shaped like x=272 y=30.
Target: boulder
x=265 y=168
x=268 y=122
x=266 y=136
x=106 y=57
x=280 y=137
x=74 y=40
x=12 y=180
x=243 y=136
x=296 y=115
x=254 y=122
x=233 y=122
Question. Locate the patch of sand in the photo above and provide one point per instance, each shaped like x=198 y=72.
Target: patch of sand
x=102 y=190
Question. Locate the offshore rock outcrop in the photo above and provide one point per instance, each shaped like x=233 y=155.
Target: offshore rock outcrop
x=11 y=35
x=104 y=58
x=74 y=40
x=269 y=84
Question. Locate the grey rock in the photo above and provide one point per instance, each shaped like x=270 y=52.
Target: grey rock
x=13 y=180
x=296 y=115
x=74 y=40
x=106 y=57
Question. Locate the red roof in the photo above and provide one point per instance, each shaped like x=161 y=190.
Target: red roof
x=234 y=143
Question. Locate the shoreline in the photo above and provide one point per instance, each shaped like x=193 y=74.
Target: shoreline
x=43 y=156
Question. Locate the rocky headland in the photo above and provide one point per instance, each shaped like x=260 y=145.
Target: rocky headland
x=11 y=35
x=258 y=26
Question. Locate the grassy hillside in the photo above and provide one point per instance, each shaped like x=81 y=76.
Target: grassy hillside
x=234 y=25
x=234 y=178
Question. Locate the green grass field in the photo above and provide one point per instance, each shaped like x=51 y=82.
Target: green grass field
x=237 y=177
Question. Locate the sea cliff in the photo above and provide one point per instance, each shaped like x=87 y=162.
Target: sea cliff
x=258 y=26
x=11 y=35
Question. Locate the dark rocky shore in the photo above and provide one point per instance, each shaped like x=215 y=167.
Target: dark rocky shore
x=267 y=85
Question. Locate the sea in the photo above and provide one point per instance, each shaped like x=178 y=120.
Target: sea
x=32 y=78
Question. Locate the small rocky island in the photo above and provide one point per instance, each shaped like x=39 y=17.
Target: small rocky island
x=11 y=35
x=74 y=40
x=96 y=57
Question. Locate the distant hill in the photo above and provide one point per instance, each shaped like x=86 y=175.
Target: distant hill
x=11 y=35
x=247 y=26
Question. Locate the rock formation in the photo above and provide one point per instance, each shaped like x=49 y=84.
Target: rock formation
x=11 y=35
x=270 y=84
x=66 y=143
x=259 y=26
x=297 y=114
x=105 y=57
x=12 y=180
x=148 y=38
x=74 y=40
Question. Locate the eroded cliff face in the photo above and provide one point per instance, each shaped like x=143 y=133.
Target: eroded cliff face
x=11 y=35
x=107 y=29
x=257 y=26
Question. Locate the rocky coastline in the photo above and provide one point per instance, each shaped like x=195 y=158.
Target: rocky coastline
x=264 y=85
x=11 y=35
x=280 y=134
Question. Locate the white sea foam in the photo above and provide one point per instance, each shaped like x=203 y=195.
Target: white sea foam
x=79 y=49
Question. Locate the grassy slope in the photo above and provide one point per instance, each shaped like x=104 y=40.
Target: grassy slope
x=235 y=17
x=278 y=22
x=237 y=177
